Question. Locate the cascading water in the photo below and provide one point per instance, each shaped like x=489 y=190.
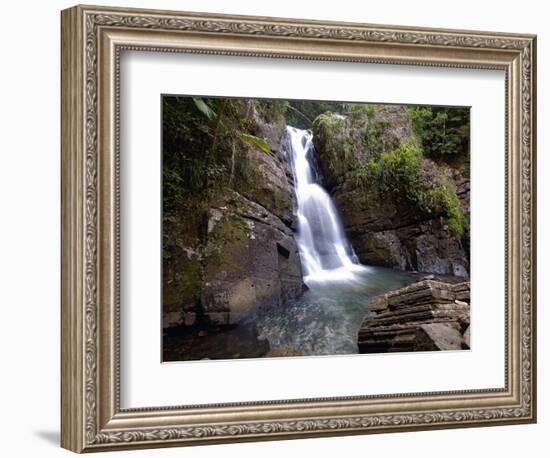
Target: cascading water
x=325 y=252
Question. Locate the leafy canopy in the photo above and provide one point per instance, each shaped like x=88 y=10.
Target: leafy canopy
x=442 y=131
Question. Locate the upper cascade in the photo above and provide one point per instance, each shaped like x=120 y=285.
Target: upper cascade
x=325 y=252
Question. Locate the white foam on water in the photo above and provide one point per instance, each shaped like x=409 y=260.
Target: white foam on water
x=325 y=253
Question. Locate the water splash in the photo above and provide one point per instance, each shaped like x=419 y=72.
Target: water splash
x=325 y=252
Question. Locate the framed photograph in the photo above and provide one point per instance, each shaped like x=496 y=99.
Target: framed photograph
x=279 y=228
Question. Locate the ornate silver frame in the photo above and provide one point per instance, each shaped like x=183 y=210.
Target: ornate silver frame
x=92 y=38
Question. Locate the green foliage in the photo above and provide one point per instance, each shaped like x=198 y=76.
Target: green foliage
x=200 y=141
x=443 y=196
x=359 y=131
x=347 y=141
x=329 y=131
x=396 y=174
x=185 y=138
x=221 y=125
x=442 y=131
x=204 y=108
x=254 y=141
x=375 y=140
x=360 y=111
x=302 y=113
x=455 y=217
x=328 y=122
x=271 y=109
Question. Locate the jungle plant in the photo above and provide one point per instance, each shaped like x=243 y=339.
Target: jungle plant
x=442 y=131
x=395 y=174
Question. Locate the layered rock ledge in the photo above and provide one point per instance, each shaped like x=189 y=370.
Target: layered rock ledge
x=426 y=316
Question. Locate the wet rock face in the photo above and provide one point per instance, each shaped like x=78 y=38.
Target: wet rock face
x=383 y=235
x=425 y=316
x=251 y=261
x=384 y=231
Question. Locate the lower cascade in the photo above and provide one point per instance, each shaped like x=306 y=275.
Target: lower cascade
x=325 y=252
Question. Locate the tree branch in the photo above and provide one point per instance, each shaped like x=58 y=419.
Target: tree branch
x=299 y=113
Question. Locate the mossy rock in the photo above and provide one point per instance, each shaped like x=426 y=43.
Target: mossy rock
x=226 y=244
x=182 y=283
x=348 y=142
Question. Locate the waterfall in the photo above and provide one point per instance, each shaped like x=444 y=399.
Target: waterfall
x=325 y=253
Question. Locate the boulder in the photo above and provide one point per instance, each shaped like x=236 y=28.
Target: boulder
x=438 y=336
x=466 y=339
x=424 y=316
x=251 y=262
x=462 y=291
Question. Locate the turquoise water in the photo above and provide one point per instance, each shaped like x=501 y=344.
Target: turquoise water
x=326 y=319
x=323 y=321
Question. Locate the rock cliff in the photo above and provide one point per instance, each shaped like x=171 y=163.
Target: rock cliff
x=228 y=247
x=399 y=207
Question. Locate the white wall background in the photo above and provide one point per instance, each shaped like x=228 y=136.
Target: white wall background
x=29 y=230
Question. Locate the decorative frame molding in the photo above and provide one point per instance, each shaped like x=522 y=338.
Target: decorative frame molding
x=92 y=38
